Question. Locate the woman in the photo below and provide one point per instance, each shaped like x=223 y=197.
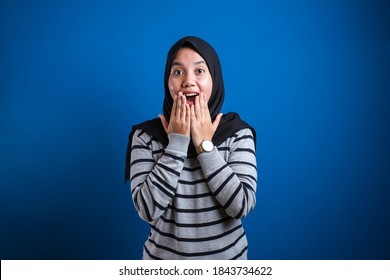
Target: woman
x=193 y=170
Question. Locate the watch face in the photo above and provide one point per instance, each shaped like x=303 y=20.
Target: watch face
x=207 y=146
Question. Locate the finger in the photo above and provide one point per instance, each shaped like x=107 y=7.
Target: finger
x=204 y=108
x=188 y=112
x=173 y=113
x=205 y=102
x=201 y=100
x=217 y=120
x=188 y=117
x=192 y=113
x=197 y=106
x=179 y=105
x=183 y=106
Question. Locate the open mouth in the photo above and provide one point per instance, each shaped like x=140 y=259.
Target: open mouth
x=191 y=97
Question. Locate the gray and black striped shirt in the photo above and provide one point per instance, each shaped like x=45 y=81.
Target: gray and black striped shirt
x=194 y=205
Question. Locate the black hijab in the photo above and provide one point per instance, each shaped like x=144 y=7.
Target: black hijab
x=230 y=123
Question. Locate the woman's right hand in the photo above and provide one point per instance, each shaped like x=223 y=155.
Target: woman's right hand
x=180 y=116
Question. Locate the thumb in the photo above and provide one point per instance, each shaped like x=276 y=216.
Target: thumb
x=164 y=122
x=217 y=120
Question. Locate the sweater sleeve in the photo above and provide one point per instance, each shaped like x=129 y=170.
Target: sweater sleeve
x=153 y=184
x=234 y=182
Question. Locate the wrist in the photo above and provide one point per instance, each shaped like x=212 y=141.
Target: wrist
x=178 y=142
x=205 y=146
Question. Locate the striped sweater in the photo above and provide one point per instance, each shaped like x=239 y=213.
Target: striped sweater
x=194 y=205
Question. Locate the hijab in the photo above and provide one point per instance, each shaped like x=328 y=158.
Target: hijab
x=230 y=123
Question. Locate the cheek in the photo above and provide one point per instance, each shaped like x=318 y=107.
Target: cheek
x=208 y=88
x=172 y=87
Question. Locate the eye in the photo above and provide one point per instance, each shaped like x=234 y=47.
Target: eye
x=200 y=71
x=178 y=72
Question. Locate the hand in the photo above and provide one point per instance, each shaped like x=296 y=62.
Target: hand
x=180 y=116
x=202 y=127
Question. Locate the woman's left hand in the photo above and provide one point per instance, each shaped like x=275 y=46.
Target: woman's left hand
x=202 y=127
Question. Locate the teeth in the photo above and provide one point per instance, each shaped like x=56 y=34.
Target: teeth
x=191 y=94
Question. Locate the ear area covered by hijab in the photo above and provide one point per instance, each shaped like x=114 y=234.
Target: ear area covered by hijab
x=230 y=123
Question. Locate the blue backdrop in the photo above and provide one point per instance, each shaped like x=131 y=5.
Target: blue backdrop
x=313 y=77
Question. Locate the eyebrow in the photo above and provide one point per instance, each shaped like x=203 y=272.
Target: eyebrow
x=196 y=63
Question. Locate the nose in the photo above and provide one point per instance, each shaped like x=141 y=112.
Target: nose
x=189 y=80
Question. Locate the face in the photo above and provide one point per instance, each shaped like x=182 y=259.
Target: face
x=190 y=75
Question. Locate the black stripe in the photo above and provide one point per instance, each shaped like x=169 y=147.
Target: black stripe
x=135 y=198
x=199 y=253
x=193 y=196
x=158 y=151
x=233 y=196
x=149 y=143
x=240 y=254
x=245 y=190
x=244 y=137
x=192 y=182
x=216 y=172
x=242 y=209
x=188 y=169
x=245 y=150
x=142 y=160
x=138 y=174
x=209 y=238
x=243 y=162
x=162 y=181
x=164 y=190
x=246 y=175
x=174 y=157
x=227 y=218
x=163 y=166
x=138 y=186
x=159 y=206
x=206 y=209
x=247 y=186
x=223 y=148
x=146 y=208
x=223 y=184
x=141 y=147
x=150 y=255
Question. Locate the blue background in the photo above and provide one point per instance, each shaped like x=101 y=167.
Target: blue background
x=313 y=77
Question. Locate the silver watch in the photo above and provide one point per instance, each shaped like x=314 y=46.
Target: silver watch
x=206 y=146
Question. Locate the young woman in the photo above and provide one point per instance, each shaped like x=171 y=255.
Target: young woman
x=193 y=170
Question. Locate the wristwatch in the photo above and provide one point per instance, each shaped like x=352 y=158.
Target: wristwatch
x=206 y=146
